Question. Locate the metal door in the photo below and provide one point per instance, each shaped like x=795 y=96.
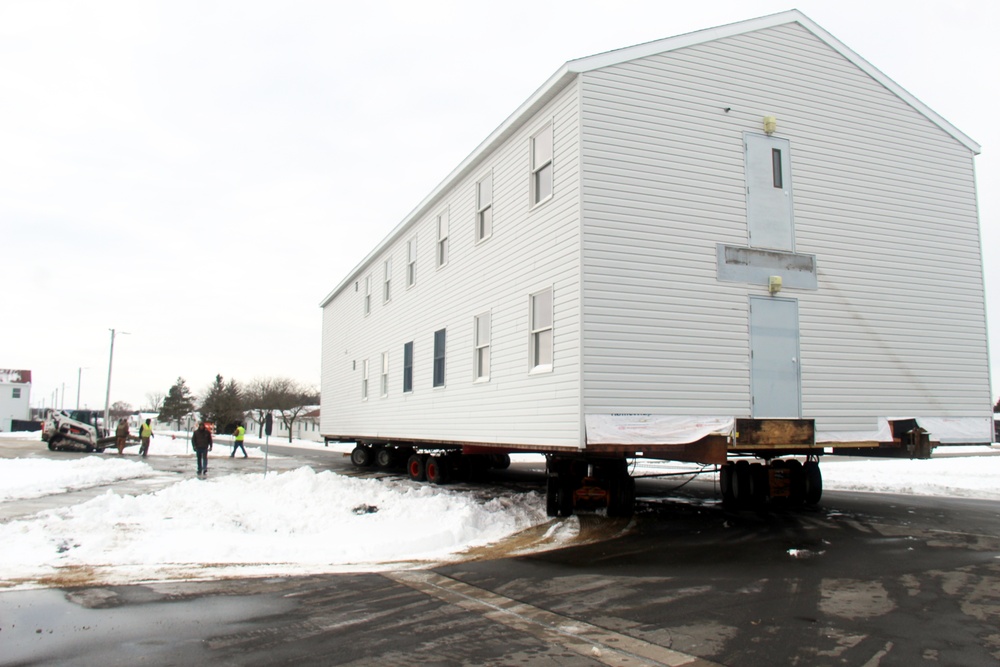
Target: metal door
x=775 y=378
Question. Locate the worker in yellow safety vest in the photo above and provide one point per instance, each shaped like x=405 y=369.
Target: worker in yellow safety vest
x=238 y=436
x=145 y=433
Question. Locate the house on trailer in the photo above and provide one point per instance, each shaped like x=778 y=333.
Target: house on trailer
x=741 y=240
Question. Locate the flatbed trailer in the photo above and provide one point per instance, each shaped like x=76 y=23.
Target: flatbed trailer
x=762 y=461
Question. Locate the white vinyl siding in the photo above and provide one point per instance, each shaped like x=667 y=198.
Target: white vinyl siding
x=532 y=253
x=887 y=205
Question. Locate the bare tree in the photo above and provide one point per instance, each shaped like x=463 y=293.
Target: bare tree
x=119 y=410
x=154 y=401
x=287 y=397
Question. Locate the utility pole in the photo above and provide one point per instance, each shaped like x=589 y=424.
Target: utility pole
x=107 y=395
x=79 y=374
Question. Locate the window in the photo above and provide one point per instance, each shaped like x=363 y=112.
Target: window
x=17 y=392
x=541 y=331
x=368 y=294
x=411 y=262
x=442 y=246
x=484 y=208
x=387 y=281
x=408 y=367
x=439 y=358
x=776 y=167
x=482 y=369
x=541 y=165
x=364 y=380
x=385 y=374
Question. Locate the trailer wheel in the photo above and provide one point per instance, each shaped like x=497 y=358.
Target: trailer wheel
x=552 y=496
x=727 y=486
x=741 y=484
x=385 y=457
x=759 y=485
x=52 y=443
x=436 y=470
x=415 y=468
x=500 y=461
x=797 y=490
x=361 y=456
x=813 y=482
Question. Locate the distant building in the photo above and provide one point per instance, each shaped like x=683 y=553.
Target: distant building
x=305 y=427
x=15 y=397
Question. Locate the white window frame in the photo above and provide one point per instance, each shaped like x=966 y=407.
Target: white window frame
x=411 y=262
x=385 y=374
x=444 y=359
x=538 y=331
x=387 y=280
x=364 y=380
x=441 y=250
x=368 y=295
x=484 y=208
x=410 y=368
x=481 y=353
x=538 y=165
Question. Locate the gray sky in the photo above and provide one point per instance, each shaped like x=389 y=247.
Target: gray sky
x=202 y=173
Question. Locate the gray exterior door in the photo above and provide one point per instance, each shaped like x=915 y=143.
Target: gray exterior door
x=769 y=192
x=775 y=384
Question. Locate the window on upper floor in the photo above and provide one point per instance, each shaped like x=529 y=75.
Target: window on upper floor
x=484 y=207
x=408 y=367
x=368 y=294
x=387 y=281
x=439 y=358
x=482 y=355
x=442 y=236
x=411 y=262
x=541 y=331
x=770 y=213
x=17 y=392
x=541 y=165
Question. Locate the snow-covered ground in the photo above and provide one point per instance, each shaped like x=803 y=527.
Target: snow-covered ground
x=301 y=521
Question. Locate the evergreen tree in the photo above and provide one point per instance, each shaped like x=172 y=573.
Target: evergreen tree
x=223 y=405
x=178 y=403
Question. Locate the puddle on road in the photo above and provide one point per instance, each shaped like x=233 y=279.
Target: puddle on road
x=43 y=625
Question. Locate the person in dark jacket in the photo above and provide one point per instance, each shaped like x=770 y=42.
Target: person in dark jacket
x=201 y=441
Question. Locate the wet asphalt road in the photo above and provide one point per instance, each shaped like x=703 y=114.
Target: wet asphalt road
x=865 y=579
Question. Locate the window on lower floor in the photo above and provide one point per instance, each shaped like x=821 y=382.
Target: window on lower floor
x=541 y=330
x=385 y=374
x=482 y=355
x=364 y=380
x=408 y=367
x=439 y=358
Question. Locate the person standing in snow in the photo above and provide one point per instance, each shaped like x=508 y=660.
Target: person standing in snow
x=121 y=435
x=201 y=441
x=145 y=433
x=238 y=440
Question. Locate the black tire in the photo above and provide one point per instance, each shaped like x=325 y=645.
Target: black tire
x=760 y=487
x=552 y=496
x=727 y=473
x=500 y=461
x=361 y=456
x=385 y=457
x=797 y=491
x=742 y=490
x=415 y=467
x=436 y=470
x=53 y=443
x=813 y=482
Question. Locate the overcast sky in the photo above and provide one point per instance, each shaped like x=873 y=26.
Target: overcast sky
x=201 y=174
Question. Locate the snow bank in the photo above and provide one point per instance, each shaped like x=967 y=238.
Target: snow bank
x=290 y=522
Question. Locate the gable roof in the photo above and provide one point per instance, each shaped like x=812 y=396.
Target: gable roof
x=569 y=71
